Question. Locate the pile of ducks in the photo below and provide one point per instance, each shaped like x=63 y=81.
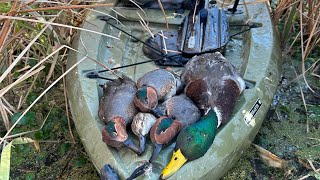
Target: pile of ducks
x=165 y=105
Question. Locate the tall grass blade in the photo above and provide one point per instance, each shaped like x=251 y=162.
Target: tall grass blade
x=289 y=23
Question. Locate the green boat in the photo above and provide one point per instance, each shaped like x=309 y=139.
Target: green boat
x=256 y=54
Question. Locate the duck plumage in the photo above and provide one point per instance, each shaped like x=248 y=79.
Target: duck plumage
x=179 y=112
x=213 y=82
x=154 y=86
x=116 y=110
x=214 y=85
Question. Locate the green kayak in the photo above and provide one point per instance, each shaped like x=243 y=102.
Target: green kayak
x=256 y=54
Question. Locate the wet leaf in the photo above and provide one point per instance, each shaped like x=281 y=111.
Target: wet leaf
x=36 y=145
x=32 y=96
x=28 y=119
x=38 y=135
x=30 y=175
x=271 y=159
x=16 y=116
x=64 y=148
x=80 y=161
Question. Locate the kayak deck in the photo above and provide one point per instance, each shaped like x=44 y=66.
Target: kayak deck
x=255 y=54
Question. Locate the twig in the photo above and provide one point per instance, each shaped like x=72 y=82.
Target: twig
x=164 y=43
x=28 y=92
x=65 y=7
x=194 y=11
x=40 y=96
x=118 y=13
x=306 y=176
x=173 y=51
x=138 y=7
x=67 y=109
x=94 y=60
x=28 y=132
x=145 y=25
x=94 y=10
x=57 y=24
x=302 y=48
x=164 y=13
x=303 y=100
x=22 y=78
x=4 y=115
x=312 y=33
x=8 y=70
x=9 y=105
x=53 y=64
x=304 y=72
x=6 y=27
x=312 y=166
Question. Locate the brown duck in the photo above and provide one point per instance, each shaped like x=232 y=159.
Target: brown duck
x=179 y=112
x=117 y=111
x=154 y=86
x=212 y=82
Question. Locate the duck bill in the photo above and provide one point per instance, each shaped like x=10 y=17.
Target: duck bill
x=156 y=150
x=177 y=161
x=130 y=144
x=139 y=171
x=142 y=142
x=108 y=173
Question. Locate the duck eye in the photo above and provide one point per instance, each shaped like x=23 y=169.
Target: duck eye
x=175 y=158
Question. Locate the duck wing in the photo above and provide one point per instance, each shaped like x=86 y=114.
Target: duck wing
x=163 y=81
x=117 y=100
x=183 y=109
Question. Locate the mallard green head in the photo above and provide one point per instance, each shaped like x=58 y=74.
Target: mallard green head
x=114 y=133
x=146 y=98
x=192 y=143
x=162 y=132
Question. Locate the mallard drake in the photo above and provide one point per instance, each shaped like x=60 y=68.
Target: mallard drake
x=180 y=112
x=192 y=143
x=117 y=110
x=214 y=85
x=154 y=86
x=213 y=82
x=141 y=126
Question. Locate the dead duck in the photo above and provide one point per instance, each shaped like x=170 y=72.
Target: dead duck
x=213 y=82
x=154 y=86
x=116 y=110
x=179 y=112
x=192 y=143
x=141 y=126
x=214 y=85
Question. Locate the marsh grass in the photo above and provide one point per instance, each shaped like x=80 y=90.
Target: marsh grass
x=35 y=40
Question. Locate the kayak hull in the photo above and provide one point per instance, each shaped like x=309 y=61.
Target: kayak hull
x=259 y=63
